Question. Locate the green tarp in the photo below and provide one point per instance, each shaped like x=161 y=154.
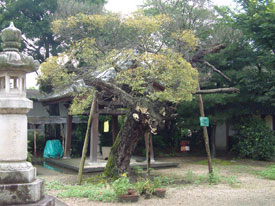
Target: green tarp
x=53 y=149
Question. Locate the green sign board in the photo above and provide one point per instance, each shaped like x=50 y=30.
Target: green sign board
x=204 y=121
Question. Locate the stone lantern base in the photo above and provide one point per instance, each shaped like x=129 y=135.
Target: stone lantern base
x=46 y=201
x=19 y=186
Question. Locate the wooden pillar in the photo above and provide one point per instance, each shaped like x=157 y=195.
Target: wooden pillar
x=205 y=134
x=69 y=136
x=63 y=137
x=227 y=135
x=115 y=128
x=273 y=122
x=151 y=149
x=148 y=151
x=94 y=136
x=213 y=141
x=34 y=139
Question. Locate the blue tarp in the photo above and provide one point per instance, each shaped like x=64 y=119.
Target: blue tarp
x=53 y=149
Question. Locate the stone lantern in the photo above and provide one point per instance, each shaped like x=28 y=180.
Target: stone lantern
x=18 y=183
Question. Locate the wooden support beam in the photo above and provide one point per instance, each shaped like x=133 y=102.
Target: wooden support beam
x=151 y=149
x=229 y=90
x=116 y=104
x=86 y=141
x=94 y=136
x=148 y=156
x=34 y=139
x=205 y=134
x=63 y=137
x=213 y=141
x=69 y=136
x=108 y=111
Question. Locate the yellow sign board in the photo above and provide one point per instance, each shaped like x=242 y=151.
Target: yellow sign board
x=106 y=126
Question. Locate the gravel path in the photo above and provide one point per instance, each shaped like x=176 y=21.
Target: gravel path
x=250 y=191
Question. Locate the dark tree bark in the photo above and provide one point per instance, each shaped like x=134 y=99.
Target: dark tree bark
x=131 y=132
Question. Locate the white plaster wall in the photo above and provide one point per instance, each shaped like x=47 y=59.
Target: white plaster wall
x=221 y=137
x=38 y=110
x=13 y=137
x=63 y=110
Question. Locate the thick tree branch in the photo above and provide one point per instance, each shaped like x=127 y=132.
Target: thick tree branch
x=218 y=71
x=29 y=43
x=229 y=90
x=3 y=4
x=202 y=53
x=100 y=85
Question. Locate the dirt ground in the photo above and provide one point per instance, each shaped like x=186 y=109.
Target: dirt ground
x=240 y=185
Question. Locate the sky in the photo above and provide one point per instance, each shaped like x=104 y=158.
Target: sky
x=128 y=6
x=125 y=7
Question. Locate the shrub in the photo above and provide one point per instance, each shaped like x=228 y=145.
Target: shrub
x=268 y=173
x=122 y=184
x=254 y=139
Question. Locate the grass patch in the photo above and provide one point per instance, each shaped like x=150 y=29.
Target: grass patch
x=99 y=192
x=54 y=185
x=99 y=188
x=268 y=173
x=232 y=180
x=243 y=169
x=191 y=178
x=212 y=179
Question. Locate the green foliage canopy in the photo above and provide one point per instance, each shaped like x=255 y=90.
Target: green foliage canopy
x=101 y=42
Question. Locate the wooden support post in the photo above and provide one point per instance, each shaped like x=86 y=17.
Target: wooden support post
x=94 y=136
x=213 y=141
x=227 y=136
x=86 y=141
x=63 y=137
x=115 y=128
x=152 y=158
x=69 y=135
x=205 y=134
x=34 y=140
x=148 y=156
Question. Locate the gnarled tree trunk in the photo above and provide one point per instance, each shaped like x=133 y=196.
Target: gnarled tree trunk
x=131 y=132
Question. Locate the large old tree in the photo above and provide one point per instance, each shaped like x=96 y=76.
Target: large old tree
x=147 y=62
x=145 y=72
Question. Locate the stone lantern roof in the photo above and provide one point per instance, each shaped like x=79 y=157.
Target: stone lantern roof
x=11 y=59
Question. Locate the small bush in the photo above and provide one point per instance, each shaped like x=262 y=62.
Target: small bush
x=190 y=177
x=269 y=173
x=122 y=184
x=254 y=139
x=213 y=178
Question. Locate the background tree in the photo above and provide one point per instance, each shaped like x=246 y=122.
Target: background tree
x=248 y=60
x=34 y=18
